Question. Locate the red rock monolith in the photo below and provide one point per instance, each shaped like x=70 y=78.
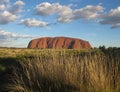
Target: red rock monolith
x=59 y=43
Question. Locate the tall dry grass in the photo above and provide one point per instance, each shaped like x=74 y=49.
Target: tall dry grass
x=58 y=71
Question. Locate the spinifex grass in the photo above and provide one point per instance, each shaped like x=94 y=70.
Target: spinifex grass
x=65 y=71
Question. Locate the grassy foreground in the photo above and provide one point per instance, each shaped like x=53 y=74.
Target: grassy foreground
x=38 y=70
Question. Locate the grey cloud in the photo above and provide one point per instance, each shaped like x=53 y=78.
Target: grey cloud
x=19 y=3
x=112 y=18
x=9 y=12
x=2 y=7
x=116 y=25
x=17 y=7
x=88 y=12
x=33 y=23
x=46 y=8
x=66 y=13
x=4 y=36
x=3 y=1
x=6 y=17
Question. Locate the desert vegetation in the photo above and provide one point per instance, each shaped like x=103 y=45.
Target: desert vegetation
x=51 y=70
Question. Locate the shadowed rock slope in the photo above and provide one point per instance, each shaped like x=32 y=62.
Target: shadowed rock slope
x=59 y=43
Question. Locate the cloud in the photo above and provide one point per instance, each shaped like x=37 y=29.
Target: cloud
x=6 y=17
x=88 y=12
x=3 y=1
x=112 y=18
x=33 y=23
x=2 y=7
x=19 y=3
x=10 y=12
x=117 y=25
x=46 y=8
x=9 y=38
x=66 y=13
x=4 y=35
x=17 y=7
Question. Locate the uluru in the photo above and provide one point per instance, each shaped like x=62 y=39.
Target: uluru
x=59 y=43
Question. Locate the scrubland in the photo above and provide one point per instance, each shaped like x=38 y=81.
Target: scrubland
x=51 y=70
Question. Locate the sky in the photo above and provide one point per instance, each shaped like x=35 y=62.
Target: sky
x=97 y=21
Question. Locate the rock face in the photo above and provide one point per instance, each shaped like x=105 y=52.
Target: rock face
x=59 y=43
